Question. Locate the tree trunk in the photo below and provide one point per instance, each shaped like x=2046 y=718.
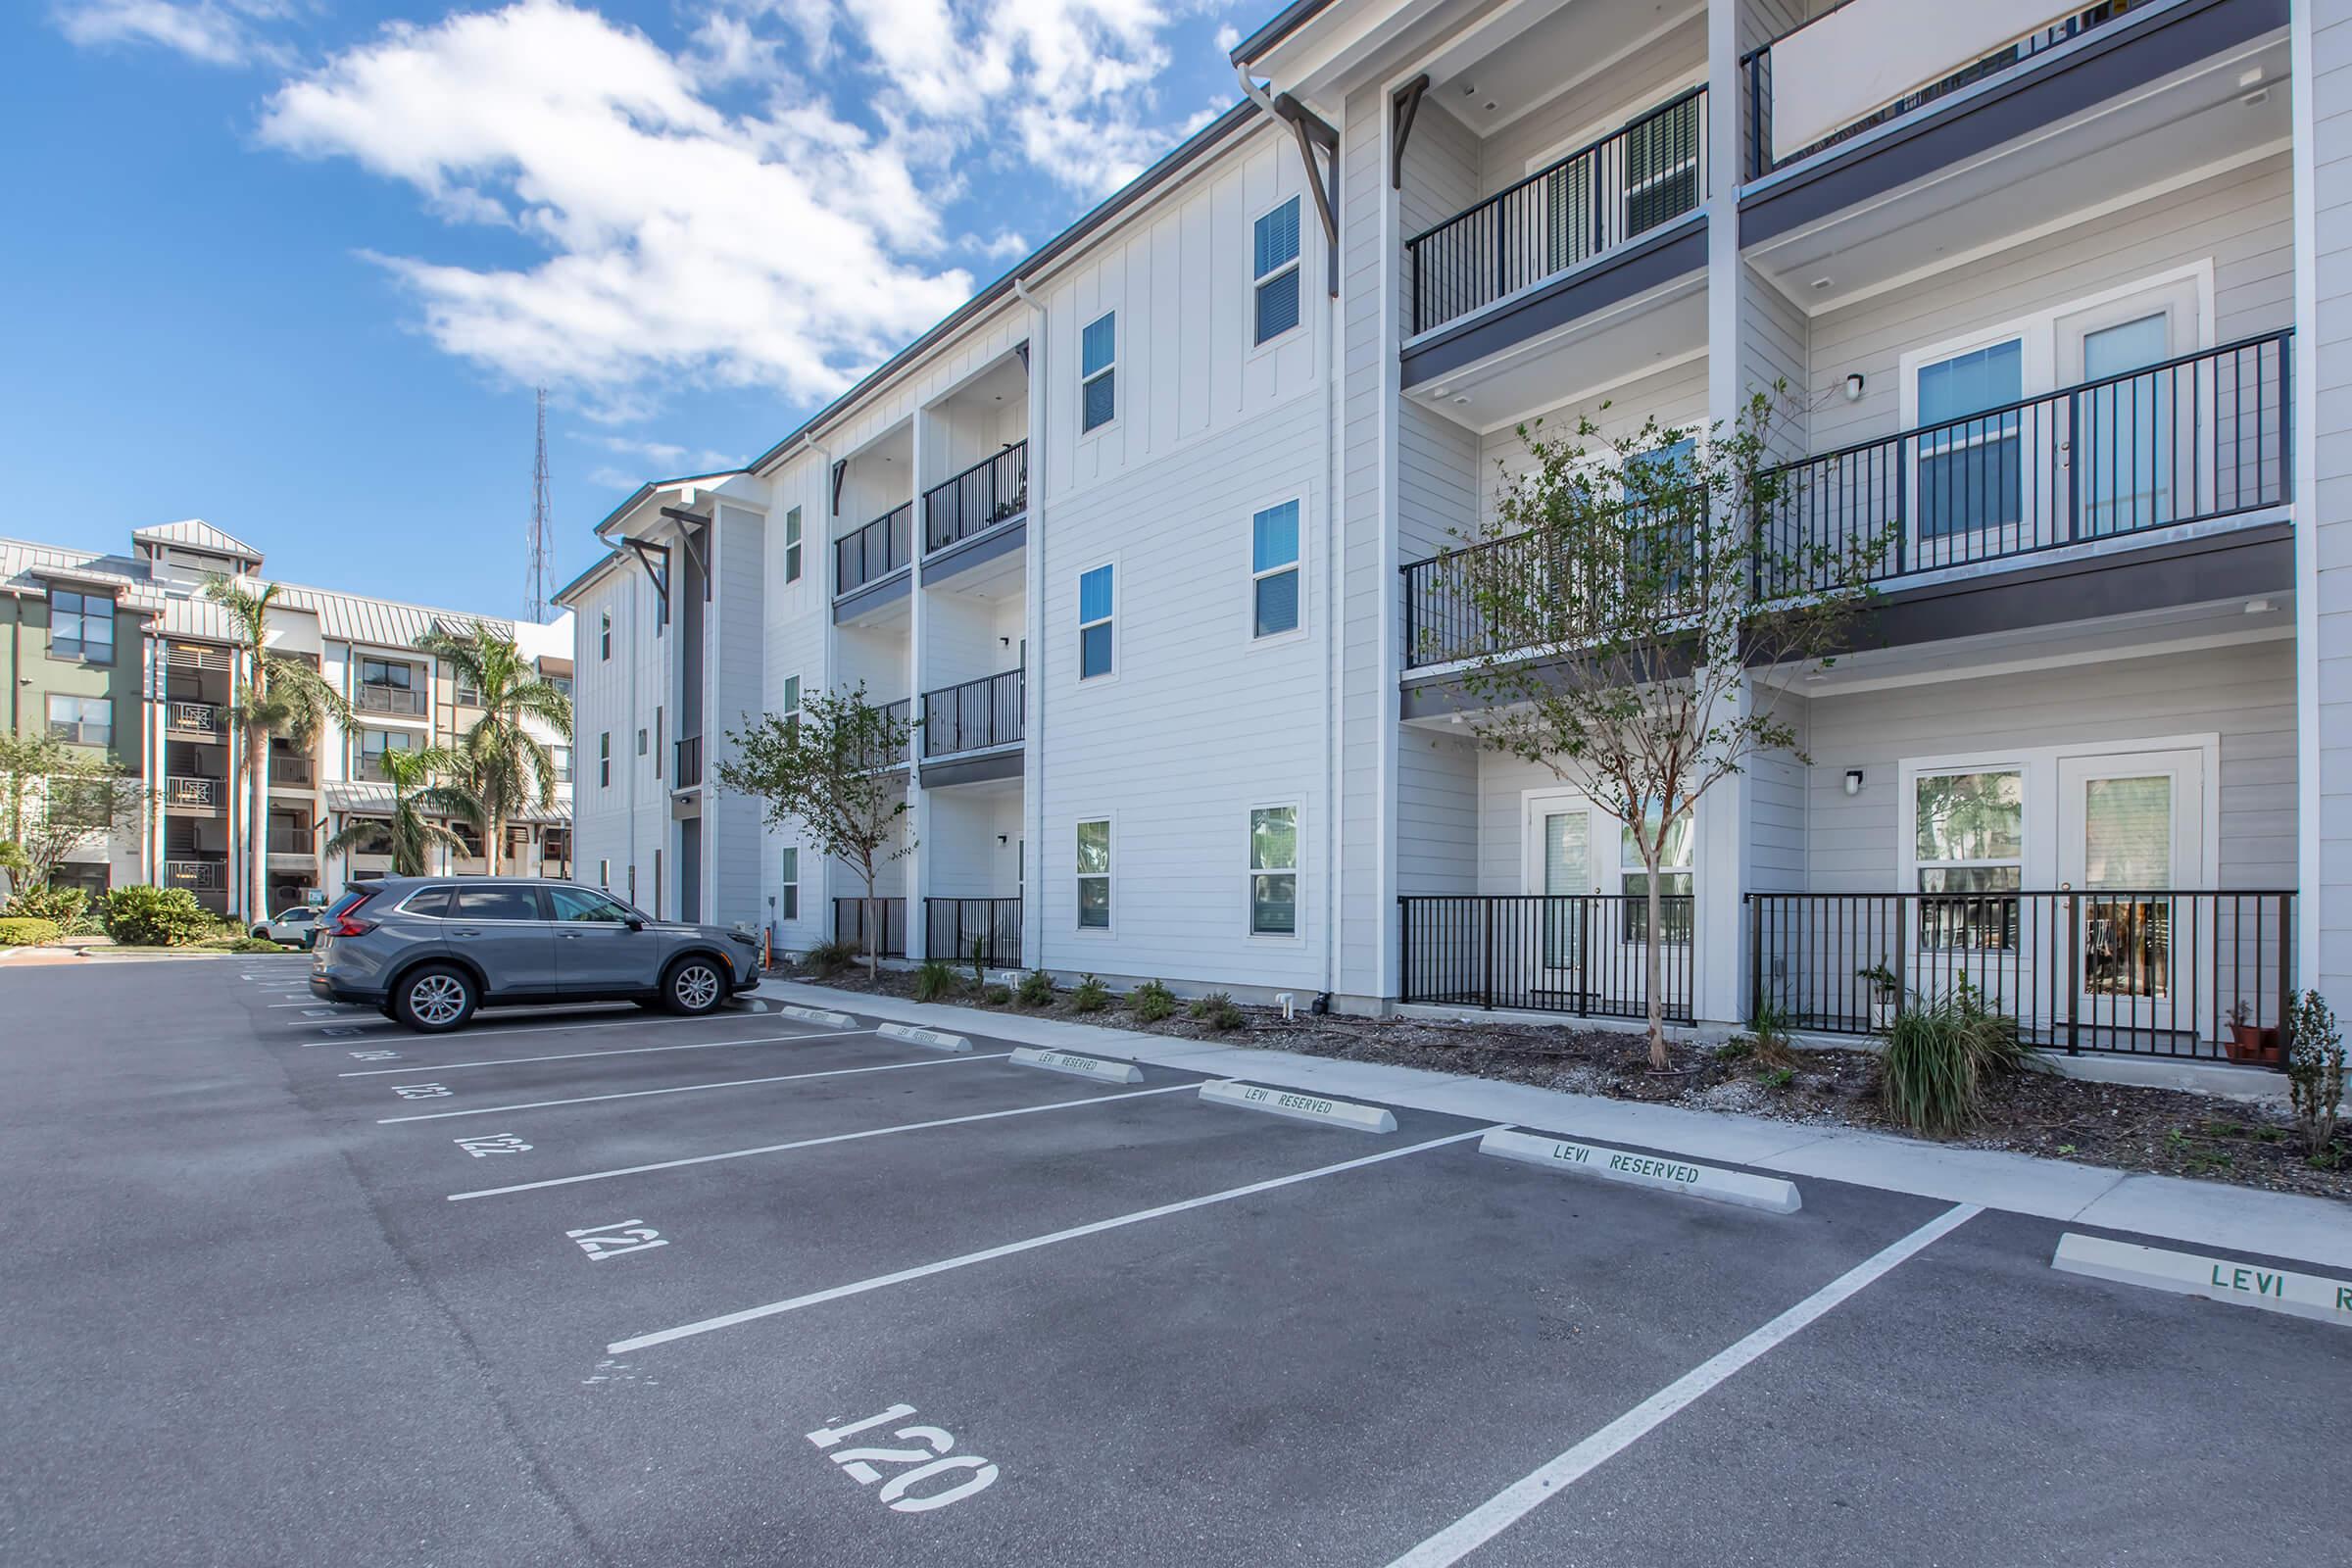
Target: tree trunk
x=1659 y=1062
x=254 y=834
x=874 y=937
x=496 y=842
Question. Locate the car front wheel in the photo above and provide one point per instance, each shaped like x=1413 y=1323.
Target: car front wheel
x=694 y=986
x=436 y=998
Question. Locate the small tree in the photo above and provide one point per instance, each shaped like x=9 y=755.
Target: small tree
x=55 y=799
x=827 y=770
x=409 y=832
x=2315 y=1073
x=1619 y=642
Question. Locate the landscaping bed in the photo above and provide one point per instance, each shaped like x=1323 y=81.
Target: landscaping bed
x=2162 y=1131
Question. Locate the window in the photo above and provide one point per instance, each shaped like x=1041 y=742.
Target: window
x=641 y=740
x=604 y=761
x=560 y=756
x=792 y=544
x=555 y=844
x=1661 y=165
x=81 y=626
x=432 y=903
x=81 y=720
x=1971 y=469
x=1274 y=571
x=469 y=845
x=385 y=672
x=561 y=683
x=603 y=873
x=791 y=902
x=1274 y=871
x=1674 y=882
x=1274 y=272
x=1098 y=373
x=468 y=693
x=792 y=701
x=583 y=905
x=518 y=843
x=496 y=903
x=1094 y=875
x=1969 y=839
x=374 y=742
x=1096 y=593
x=603 y=634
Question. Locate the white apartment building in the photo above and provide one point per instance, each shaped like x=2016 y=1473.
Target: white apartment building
x=1146 y=537
x=159 y=687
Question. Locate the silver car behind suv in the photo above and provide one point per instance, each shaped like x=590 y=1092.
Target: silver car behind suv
x=428 y=951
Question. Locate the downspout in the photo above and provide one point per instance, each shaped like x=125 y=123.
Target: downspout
x=1032 y=884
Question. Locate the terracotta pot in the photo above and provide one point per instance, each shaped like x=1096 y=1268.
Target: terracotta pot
x=2254 y=1042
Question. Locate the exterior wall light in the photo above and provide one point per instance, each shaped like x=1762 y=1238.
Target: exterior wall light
x=1853 y=781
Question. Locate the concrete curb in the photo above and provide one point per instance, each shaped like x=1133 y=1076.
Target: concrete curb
x=2215 y=1279
x=916 y=1034
x=824 y=1016
x=2283 y=1225
x=1568 y=1158
x=1101 y=1069
x=1300 y=1107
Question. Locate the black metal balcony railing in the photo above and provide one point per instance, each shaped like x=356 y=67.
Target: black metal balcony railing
x=973 y=715
x=195 y=874
x=371 y=698
x=2199 y=437
x=293 y=771
x=991 y=491
x=689 y=766
x=897 y=754
x=2154 y=972
x=292 y=841
x=856 y=922
x=1756 y=66
x=1616 y=189
x=193 y=718
x=952 y=928
x=874 y=550
x=185 y=790
x=1580 y=953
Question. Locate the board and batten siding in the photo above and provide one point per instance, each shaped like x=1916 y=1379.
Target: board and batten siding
x=798 y=615
x=2246 y=693
x=731 y=829
x=622 y=823
x=2326 y=543
x=1598 y=106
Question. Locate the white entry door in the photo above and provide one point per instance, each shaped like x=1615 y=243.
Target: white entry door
x=2132 y=839
x=1566 y=838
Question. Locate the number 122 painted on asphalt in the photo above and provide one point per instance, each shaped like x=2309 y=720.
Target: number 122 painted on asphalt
x=932 y=1459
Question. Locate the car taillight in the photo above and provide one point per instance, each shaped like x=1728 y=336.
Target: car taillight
x=349 y=924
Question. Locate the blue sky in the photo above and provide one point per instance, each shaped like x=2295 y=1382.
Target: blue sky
x=293 y=266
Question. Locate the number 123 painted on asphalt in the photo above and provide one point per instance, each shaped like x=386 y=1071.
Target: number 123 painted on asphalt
x=932 y=1459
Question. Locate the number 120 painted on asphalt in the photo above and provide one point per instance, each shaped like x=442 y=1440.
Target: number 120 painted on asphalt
x=932 y=1459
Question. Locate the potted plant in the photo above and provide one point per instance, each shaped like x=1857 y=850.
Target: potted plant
x=1886 y=994
x=2256 y=1043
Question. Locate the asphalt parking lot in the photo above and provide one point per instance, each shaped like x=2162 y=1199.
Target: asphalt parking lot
x=289 y=1283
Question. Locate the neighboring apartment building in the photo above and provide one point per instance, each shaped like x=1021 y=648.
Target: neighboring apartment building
x=1147 y=535
x=125 y=653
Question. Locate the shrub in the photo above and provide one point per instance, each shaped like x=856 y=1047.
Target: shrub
x=1771 y=1042
x=1037 y=989
x=934 y=980
x=1736 y=1049
x=1777 y=1077
x=995 y=996
x=1216 y=1010
x=1940 y=1056
x=61 y=907
x=979 y=969
x=254 y=945
x=1091 y=995
x=155 y=918
x=829 y=959
x=1152 y=1001
x=25 y=931
x=2315 y=1073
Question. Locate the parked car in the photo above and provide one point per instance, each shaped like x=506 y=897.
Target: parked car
x=429 y=950
x=298 y=925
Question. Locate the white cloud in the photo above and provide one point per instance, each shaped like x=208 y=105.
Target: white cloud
x=214 y=32
x=668 y=457
x=1228 y=35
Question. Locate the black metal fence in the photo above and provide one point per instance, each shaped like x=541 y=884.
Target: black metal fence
x=1619 y=187
x=1756 y=66
x=855 y=923
x=874 y=550
x=2202 y=437
x=1582 y=953
x=991 y=491
x=953 y=927
x=972 y=715
x=2155 y=972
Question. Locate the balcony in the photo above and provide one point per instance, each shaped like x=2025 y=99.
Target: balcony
x=974 y=715
x=204 y=875
x=992 y=491
x=195 y=793
x=1590 y=203
x=986 y=931
x=1584 y=956
x=687 y=768
x=400 y=700
x=292 y=770
x=874 y=552
x=859 y=925
x=2191 y=440
x=202 y=721
x=285 y=840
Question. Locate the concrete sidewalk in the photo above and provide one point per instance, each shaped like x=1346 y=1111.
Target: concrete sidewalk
x=2285 y=1225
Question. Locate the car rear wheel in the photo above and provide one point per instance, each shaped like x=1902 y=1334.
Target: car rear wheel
x=694 y=986
x=436 y=998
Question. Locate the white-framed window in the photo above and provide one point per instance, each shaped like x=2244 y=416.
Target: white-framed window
x=604 y=874
x=603 y=634
x=374 y=742
x=1274 y=273
x=1274 y=571
x=1969 y=839
x=789 y=897
x=604 y=761
x=1274 y=870
x=1099 y=372
x=1098 y=606
x=1674 y=882
x=1094 y=874
x=560 y=759
x=81 y=626
x=641 y=740
x=81 y=720
x=791 y=708
x=792 y=544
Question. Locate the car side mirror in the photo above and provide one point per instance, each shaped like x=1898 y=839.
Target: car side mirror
x=633 y=923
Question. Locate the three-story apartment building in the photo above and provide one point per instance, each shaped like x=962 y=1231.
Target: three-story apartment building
x=1152 y=536
x=126 y=655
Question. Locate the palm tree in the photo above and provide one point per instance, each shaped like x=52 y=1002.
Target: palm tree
x=276 y=694
x=507 y=767
x=409 y=832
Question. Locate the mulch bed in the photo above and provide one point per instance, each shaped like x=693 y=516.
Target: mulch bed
x=2162 y=1131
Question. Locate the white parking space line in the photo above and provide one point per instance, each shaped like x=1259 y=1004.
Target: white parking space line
x=624 y=1051
x=813 y=1143
x=641 y=1021
x=1515 y=1501
x=688 y=1089
x=751 y=1314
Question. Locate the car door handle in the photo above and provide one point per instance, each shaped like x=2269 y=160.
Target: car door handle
x=467 y=932
x=572 y=936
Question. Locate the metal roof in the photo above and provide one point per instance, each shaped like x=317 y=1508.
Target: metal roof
x=359 y=797
x=26 y=568
x=195 y=533
x=1286 y=22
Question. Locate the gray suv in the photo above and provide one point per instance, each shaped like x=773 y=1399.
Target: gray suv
x=428 y=951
